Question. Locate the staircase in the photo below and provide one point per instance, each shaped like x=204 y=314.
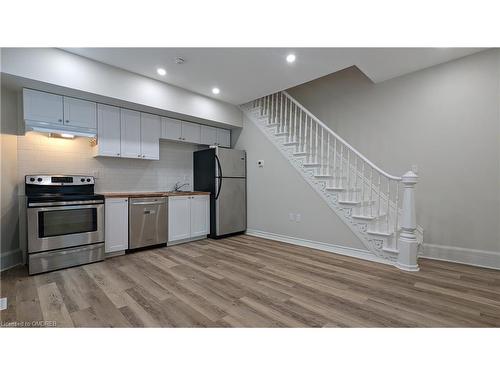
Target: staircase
x=378 y=207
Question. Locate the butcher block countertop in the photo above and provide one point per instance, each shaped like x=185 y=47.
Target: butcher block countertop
x=142 y=194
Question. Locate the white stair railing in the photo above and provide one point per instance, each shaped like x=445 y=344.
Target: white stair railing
x=374 y=195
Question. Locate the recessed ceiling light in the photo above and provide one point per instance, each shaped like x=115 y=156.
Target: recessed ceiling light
x=161 y=71
x=290 y=58
x=215 y=90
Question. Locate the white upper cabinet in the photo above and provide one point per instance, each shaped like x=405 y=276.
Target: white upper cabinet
x=208 y=135
x=108 y=131
x=223 y=137
x=55 y=113
x=150 y=136
x=80 y=113
x=42 y=107
x=130 y=128
x=191 y=132
x=185 y=131
x=171 y=129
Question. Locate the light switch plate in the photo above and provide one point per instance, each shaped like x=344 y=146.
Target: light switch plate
x=3 y=303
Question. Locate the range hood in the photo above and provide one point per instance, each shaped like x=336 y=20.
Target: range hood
x=48 y=127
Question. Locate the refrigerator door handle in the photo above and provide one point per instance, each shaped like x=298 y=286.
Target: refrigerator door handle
x=218 y=165
x=219 y=178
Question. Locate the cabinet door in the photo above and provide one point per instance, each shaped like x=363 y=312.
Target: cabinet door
x=150 y=136
x=42 y=106
x=108 y=130
x=191 y=132
x=171 y=129
x=130 y=133
x=116 y=224
x=200 y=215
x=80 y=113
x=179 y=222
x=224 y=137
x=208 y=135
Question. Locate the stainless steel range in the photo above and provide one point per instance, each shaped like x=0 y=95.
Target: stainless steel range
x=65 y=222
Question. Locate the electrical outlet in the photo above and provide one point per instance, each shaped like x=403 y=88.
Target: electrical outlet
x=298 y=218
x=291 y=216
x=96 y=173
x=414 y=168
x=260 y=163
x=3 y=303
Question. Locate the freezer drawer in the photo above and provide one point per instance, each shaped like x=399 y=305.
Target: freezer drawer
x=147 y=222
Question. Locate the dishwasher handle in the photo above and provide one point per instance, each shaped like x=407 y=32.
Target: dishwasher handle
x=147 y=203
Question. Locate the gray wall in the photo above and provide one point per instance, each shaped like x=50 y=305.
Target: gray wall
x=445 y=119
x=278 y=189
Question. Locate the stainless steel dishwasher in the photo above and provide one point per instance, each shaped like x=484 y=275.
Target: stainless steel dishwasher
x=147 y=222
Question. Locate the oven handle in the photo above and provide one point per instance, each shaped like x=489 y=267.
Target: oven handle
x=67 y=203
x=76 y=207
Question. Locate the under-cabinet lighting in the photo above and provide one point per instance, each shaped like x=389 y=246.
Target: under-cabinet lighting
x=61 y=135
x=290 y=58
x=216 y=90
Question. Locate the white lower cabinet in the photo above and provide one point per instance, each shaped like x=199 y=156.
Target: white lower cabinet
x=188 y=217
x=200 y=215
x=179 y=220
x=116 y=224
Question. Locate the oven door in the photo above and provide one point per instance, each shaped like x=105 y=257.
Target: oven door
x=58 y=225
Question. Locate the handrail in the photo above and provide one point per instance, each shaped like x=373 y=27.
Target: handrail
x=359 y=154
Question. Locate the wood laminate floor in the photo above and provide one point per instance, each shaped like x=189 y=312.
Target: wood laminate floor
x=246 y=281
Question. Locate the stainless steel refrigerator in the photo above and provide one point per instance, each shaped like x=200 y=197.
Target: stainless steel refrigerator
x=222 y=172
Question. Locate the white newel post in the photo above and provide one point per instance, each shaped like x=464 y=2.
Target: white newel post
x=407 y=258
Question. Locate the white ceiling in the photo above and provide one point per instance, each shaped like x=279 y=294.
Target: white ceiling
x=243 y=74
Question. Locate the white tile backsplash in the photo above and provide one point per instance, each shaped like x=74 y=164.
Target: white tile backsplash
x=40 y=154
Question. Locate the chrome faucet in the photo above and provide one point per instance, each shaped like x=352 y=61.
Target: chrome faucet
x=178 y=186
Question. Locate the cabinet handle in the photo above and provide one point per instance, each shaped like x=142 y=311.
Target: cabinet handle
x=139 y=155
x=118 y=154
x=60 y=120
x=143 y=156
x=180 y=137
x=67 y=121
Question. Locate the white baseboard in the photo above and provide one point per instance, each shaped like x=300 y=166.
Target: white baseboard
x=462 y=255
x=10 y=259
x=337 y=249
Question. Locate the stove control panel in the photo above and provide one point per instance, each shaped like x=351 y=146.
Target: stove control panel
x=59 y=180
